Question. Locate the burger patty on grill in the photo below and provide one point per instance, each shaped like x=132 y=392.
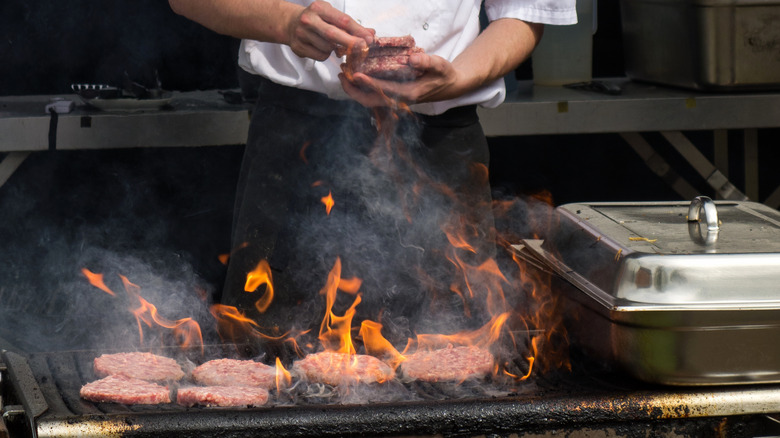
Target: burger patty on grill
x=341 y=368
x=127 y=390
x=451 y=364
x=234 y=372
x=144 y=366
x=221 y=396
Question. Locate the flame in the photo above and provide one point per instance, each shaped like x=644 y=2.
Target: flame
x=350 y=285
x=335 y=331
x=483 y=337
x=543 y=313
x=459 y=242
x=186 y=331
x=261 y=275
x=302 y=152
x=483 y=283
x=235 y=327
x=224 y=258
x=328 y=201
x=283 y=377
x=376 y=344
x=356 y=54
x=97 y=281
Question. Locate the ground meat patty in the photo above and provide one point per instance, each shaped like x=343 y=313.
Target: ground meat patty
x=452 y=364
x=127 y=390
x=337 y=368
x=386 y=58
x=144 y=366
x=233 y=372
x=399 y=41
x=222 y=396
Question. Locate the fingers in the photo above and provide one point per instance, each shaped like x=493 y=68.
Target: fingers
x=346 y=30
x=321 y=29
x=364 y=95
x=438 y=82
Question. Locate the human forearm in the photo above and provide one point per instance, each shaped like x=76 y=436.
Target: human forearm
x=262 y=20
x=311 y=32
x=500 y=48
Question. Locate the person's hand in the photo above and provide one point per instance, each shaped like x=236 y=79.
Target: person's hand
x=439 y=81
x=320 y=29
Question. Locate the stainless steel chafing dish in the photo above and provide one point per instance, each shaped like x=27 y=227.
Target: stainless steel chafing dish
x=675 y=293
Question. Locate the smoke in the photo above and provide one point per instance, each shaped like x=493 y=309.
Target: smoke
x=130 y=213
x=395 y=201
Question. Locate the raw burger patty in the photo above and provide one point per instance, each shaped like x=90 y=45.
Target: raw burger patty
x=400 y=41
x=387 y=58
x=335 y=368
x=222 y=396
x=127 y=390
x=144 y=366
x=391 y=67
x=452 y=364
x=233 y=372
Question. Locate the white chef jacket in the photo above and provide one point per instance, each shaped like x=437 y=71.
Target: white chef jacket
x=441 y=27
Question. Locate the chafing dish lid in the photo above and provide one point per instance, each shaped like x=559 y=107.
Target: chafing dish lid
x=641 y=255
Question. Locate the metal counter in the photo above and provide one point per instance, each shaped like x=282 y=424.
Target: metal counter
x=641 y=108
x=531 y=110
x=204 y=118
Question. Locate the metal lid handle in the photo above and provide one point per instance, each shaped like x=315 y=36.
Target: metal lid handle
x=698 y=204
x=710 y=212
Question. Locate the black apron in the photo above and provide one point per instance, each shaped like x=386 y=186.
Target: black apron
x=394 y=197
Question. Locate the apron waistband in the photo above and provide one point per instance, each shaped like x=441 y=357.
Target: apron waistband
x=319 y=104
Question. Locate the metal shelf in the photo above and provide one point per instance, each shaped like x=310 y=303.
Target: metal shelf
x=639 y=108
x=204 y=118
x=201 y=118
x=534 y=110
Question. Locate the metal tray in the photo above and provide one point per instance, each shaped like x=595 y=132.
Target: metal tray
x=712 y=45
x=666 y=297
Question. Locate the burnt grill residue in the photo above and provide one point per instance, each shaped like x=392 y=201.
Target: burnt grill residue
x=556 y=403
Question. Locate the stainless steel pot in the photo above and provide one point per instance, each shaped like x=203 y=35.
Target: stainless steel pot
x=667 y=298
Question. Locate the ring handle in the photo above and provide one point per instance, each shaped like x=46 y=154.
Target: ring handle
x=699 y=204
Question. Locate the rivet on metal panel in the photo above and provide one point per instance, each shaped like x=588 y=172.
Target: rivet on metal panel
x=690 y=102
x=563 y=107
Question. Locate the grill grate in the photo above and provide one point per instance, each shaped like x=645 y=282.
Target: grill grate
x=555 y=403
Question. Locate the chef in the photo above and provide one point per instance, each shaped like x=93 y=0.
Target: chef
x=316 y=133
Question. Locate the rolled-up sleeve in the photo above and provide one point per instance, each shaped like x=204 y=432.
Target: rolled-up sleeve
x=535 y=11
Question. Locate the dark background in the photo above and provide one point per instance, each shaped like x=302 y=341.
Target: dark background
x=172 y=207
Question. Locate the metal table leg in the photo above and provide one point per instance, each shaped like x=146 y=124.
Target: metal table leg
x=10 y=163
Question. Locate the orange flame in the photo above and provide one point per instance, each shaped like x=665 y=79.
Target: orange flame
x=283 y=377
x=328 y=201
x=302 y=152
x=224 y=258
x=186 y=331
x=97 y=281
x=482 y=337
x=377 y=345
x=335 y=331
x=350 y=285
x=261 y=275
x=233 y=326
x=544 y=313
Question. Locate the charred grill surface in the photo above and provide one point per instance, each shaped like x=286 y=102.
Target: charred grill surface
x=561 y=402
